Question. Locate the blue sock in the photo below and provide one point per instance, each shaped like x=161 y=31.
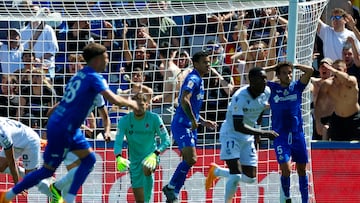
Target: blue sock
x=179 y=176
x=304 y=188
x=82 y=172
x=32 y=179
x=285 y=184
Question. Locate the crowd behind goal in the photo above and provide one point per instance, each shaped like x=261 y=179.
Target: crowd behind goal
x=151 y=55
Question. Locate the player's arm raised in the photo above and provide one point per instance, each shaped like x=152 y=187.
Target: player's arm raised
x=308 y=72
x=118 y=100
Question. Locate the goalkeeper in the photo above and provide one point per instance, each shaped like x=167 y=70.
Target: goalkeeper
x=141 y=127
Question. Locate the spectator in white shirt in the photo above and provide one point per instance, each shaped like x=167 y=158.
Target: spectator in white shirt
x=11 y=52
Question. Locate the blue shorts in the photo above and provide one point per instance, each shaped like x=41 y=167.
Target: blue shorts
x=183 y=136
x=60 y=141
x=291 y=146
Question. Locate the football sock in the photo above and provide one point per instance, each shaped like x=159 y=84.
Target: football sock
x=231 y=186
x=304 y=188
x=85 y=167
x=285 y=184
x=179 y=176
x=64 y=182
x=222 y=172
x=148 y=186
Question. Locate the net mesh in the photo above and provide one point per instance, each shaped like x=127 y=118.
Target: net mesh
x=150 y=45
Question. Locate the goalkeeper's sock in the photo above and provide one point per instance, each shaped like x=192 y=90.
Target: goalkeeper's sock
x=285 y=184
x=85 y=167
x=304 y=188
x=148 y=186
x=64 y=182
x=32 y=179
x=231 y=186
x=221 y=172
x=179 y=176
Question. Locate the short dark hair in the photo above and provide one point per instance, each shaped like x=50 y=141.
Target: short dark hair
x=198 y=55
x=282 y=64
x=92 y=50
x=254 y=72
x=139 y=96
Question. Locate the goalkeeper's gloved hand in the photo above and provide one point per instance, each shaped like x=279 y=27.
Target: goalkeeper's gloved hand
x=150 y=161
x=122 y=164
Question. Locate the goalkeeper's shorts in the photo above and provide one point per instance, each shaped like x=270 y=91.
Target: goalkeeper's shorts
x=137 y=176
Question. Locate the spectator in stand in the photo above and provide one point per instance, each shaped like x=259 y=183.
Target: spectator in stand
x=40 y=38
x=9 y=97
x=350 y=55
x=136 y=83
x=141 y=58
x=182 y=59
x=28 y=65
x=316 y=83
x=335 y=36
x=11 y=52
x=75 y=63
x=344 y=120
x=163 y=29
x=164 y=102
x=39 y=97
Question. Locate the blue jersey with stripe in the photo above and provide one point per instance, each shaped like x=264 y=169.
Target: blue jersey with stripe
x=78 y=99
x=285 y=103
x=194 y=84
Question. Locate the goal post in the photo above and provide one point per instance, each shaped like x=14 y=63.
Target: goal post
x=256 y=32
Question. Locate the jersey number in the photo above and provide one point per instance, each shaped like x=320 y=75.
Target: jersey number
x=71 y=90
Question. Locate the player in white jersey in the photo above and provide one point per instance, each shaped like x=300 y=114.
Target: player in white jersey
x=237 y=134
x=18 y=140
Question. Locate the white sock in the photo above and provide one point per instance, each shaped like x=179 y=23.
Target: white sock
x=69 y=198
x=43 y=187
x=64 y=182
x=222 y=172
x=20 y=169
x=231 y=186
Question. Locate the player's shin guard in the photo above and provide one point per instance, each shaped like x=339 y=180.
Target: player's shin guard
x=32 y=179
x=148 y=186
x=231 y=186
x=304 y=188
x=43 y=187
x=179 y=176
x=285 y=185
x=82 y=172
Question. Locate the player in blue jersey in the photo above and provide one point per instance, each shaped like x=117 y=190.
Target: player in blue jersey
x=141 y=128
x=285 y=103
x=185 y=123
x=63 y=128
x=237 y=134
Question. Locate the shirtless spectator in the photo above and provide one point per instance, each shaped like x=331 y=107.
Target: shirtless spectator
x=350 y=55
x=259 y=53
x=164 y=101
x=315 y=86
x=342 y=89
x=335 y=36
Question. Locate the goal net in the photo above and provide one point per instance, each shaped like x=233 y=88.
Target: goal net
x=150 y=44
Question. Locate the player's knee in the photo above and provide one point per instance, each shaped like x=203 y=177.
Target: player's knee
x=191 y=161
x=89 y=160
x=247 y=179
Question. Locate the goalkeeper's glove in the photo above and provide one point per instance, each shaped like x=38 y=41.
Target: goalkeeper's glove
x=122 y=164
x=151 y=160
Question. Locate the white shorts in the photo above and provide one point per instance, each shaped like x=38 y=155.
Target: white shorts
x=30 y=155
x=70 y=158
x=244 y=150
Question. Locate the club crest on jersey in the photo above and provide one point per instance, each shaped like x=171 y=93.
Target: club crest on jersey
x=190 y=84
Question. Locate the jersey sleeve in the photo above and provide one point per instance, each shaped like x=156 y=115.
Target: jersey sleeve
x=99 y=83
x=236 y=105
x=162 y=132
x=119 y=138
x=190 y=84
x=5 y=139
